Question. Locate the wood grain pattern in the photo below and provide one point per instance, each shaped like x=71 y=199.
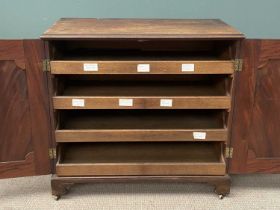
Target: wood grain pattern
x=15 y=129
x=50 y=92
x=255 y=135
x=77 y=28
x=13 y=50
x=130 y=67
x=39 y=104
x=25 y=167
x=188 y=102
x=24 y=111
x=14 y=111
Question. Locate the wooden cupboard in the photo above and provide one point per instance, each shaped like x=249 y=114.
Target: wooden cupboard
x=104 y=140
x=142 y=98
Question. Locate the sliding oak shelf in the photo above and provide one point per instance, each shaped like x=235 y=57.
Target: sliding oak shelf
x=130 y=67
x=165 y=158
x=140 y=125
x=138 y=99
x=107 y=94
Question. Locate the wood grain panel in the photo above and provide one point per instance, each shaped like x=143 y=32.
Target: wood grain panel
x=18 y=168
x=13 y=50
x=24 y=110
x=255 y=135
x=15 y=129
x=39 y=104
x=14 y=112
x=130 y=67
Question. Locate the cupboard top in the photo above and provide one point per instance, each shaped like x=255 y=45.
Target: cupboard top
x=91 y=28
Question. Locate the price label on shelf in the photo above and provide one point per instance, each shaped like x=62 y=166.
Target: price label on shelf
x=143 y=68
x=166 y=102
x=199 y=135
x=78 y=102
x=187 y=67
x=90 y=67
x=125 y=102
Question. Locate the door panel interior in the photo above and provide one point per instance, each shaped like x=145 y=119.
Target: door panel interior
x=255 y=127
x=24 y=144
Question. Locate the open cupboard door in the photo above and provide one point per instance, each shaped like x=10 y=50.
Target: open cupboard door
x=255 y=129
x=24 y=110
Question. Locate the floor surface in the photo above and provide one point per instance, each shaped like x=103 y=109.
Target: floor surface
x=247 y=192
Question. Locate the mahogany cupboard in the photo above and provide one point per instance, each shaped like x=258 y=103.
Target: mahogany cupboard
x=236 y=107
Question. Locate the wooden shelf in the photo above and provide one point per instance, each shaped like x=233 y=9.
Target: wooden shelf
x=140 y=125
x=145 y=94
x=156 y=67
x=163 y=158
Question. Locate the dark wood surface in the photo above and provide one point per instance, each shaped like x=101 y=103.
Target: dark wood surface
x=24 y=149
x=255 y=127
x=16 y=150
x=139 y=152
x=77 y=28
x=39 y=104
x=142 y=119
x=122 y=88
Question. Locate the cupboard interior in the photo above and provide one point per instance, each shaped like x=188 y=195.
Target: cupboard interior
x=143 y=85
x=140 y=152
x=141 y=119
x=142 y=49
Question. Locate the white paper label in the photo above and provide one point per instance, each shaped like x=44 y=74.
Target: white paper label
x=166 y=102
x=199 y=135
x=186 y=67
x=90 y=67
x=125 y=102
x=78 y=102
x=143 y=68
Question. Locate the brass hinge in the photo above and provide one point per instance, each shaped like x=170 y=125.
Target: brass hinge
x=238 y=63
x=229 y=152
x=46 y=65
x=52 y=153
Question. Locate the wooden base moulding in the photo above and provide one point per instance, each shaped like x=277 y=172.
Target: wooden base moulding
x=61 y=185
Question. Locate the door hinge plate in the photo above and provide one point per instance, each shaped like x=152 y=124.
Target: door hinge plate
x=229 y=152
x=46 y=65
x=238 y=63
x=52 y=153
